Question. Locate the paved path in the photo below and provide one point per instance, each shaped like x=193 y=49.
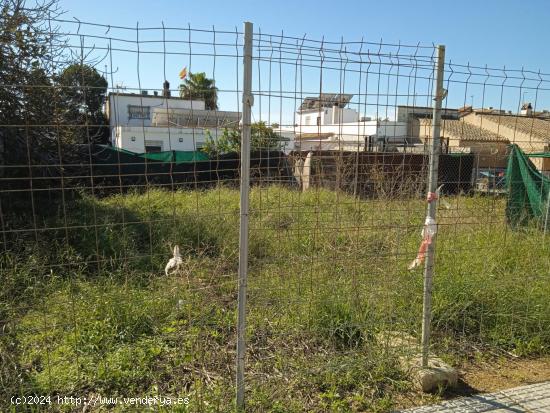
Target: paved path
x=532 y=398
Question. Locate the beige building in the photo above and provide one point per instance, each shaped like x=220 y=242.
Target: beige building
x=487 y=134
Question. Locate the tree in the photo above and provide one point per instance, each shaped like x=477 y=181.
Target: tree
x=47 y=104
x=36 y=101
x=82 y=93
x=198 y=86
x=262 y=137
x=28 y=48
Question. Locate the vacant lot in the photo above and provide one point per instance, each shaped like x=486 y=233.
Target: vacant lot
x=87 y=309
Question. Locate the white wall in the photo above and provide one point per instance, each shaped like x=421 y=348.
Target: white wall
x=309 y=118
x=353 y=130
x=191 y=138
x=347 y=115
x=393 y=131
x=348 y=126
x=330 y=144
x=348 y=135
x=119 y=103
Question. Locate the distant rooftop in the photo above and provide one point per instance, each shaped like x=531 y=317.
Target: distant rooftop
x=426 y=108
x=459 y=129
x=537 y=128
x=325 y=100
x=468 y=132
x=532 y=126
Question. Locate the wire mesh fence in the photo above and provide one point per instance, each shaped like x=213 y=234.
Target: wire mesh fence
x=107 y=168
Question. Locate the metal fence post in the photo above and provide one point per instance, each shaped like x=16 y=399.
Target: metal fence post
x=435 y=148
x=243 y=233
x=547 y=213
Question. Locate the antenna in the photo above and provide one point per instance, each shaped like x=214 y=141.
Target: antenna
x=119 y=86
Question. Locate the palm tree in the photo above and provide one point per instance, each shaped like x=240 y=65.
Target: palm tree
x=198 y=86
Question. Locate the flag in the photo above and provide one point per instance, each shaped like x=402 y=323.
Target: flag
x=183 y=73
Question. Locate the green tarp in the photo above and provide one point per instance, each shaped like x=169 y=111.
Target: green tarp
x=154 y=168
x=528 y=190
x=166 y=156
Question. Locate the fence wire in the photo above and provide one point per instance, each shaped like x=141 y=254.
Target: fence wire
x=108 y=164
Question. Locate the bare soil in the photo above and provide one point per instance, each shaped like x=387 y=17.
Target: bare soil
x=504 y=374
x=485 y=377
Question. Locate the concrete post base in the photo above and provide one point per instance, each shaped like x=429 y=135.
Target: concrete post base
x=436 y=376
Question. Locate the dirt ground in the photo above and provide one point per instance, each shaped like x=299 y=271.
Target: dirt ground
x=504 y=374
x=486 y=377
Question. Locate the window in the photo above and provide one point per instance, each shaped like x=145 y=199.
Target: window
x=153 y=146
x=306 y=120
x=139 y=112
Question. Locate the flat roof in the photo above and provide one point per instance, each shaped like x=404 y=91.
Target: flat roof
x=424 y=107
x=152 y=96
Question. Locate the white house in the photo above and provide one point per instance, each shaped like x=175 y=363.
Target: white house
x=324 y=123
x=154 y=123
x=158 y=139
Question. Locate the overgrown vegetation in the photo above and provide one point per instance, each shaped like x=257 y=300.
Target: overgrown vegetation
x=262 y=137
x=90 y=312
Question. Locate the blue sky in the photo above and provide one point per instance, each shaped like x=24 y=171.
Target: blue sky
x=495 y=33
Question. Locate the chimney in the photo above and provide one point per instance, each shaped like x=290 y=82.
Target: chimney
x=166 y=89
x=526 y=109
x=335 y=114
